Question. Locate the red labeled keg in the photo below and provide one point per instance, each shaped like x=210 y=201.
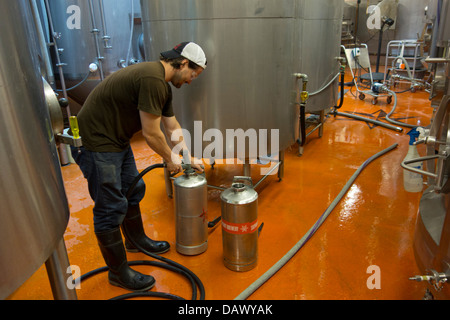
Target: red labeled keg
x=239 y=205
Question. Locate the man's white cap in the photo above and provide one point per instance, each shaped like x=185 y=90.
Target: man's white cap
x=188 y=50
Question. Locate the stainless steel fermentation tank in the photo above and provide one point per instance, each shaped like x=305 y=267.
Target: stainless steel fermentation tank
x=432 y=233
x=86 y=32
x=253 y=48
x=33 y=206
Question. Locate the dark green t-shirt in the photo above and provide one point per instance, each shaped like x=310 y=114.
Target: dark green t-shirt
x=110 y=115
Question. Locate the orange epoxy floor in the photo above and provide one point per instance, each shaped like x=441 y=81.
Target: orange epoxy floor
x=373 y=225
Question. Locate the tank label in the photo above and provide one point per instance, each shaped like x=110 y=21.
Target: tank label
x=239 y=228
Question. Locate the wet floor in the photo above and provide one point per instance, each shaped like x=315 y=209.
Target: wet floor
x=363 y=250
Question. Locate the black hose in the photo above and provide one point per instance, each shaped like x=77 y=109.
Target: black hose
x=147 y=294
x=169 y=264
x=136 y=263
x=211 y=224
x=302 y=125
x=341 y=101
x=77 y=85
x=195 y=281
x=143 y=173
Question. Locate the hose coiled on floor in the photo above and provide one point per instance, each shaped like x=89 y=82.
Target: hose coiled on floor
x=392 y=111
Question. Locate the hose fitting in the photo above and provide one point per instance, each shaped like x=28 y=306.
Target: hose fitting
x=304 y=94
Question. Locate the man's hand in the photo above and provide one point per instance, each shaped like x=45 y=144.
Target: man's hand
x=196 y=165
x=174 y=168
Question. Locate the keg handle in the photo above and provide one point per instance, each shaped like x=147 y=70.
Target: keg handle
x=243 y=179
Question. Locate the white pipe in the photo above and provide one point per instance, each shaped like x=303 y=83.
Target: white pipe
x=127 y=62
x=392 y=111
x=95 y=35
x=58 y=60
x=325 y=86
x=42 y=43
x=379 y=123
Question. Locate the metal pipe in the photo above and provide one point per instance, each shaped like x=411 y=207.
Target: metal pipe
x=58 y=60
x=57 y=266
x=281 y=168
x=302 y=76
x=247 y=168
x=42 y=43
x=127 y=62
x=434 y=38
x=314 y=129
x=216 y=187
x=105 y=37
x=95 y=32
x=268 y=173
x=380 y=40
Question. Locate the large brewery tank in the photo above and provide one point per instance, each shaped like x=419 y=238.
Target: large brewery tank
x=33 y=206
x=253 y=48
x=90 y=31
x=432 y=233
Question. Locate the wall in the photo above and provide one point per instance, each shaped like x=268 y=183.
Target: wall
x=410 y=22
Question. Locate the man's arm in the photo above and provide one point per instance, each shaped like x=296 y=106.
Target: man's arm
x=156 y=140
x=172 y=125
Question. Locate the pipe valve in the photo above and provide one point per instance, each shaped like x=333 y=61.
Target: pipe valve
x=436 y=279
x=304 y=93
x=304 y=96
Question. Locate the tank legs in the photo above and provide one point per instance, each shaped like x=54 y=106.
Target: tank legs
x=57 y=266
x=281 y=168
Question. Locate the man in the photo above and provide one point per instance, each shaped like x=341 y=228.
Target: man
x=135 y=98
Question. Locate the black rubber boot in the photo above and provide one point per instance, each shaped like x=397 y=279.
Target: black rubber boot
x=120 y=274
x=134 y=228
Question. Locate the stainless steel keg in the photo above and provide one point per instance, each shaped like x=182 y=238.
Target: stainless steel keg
x=191 y=213
x=239 y=205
